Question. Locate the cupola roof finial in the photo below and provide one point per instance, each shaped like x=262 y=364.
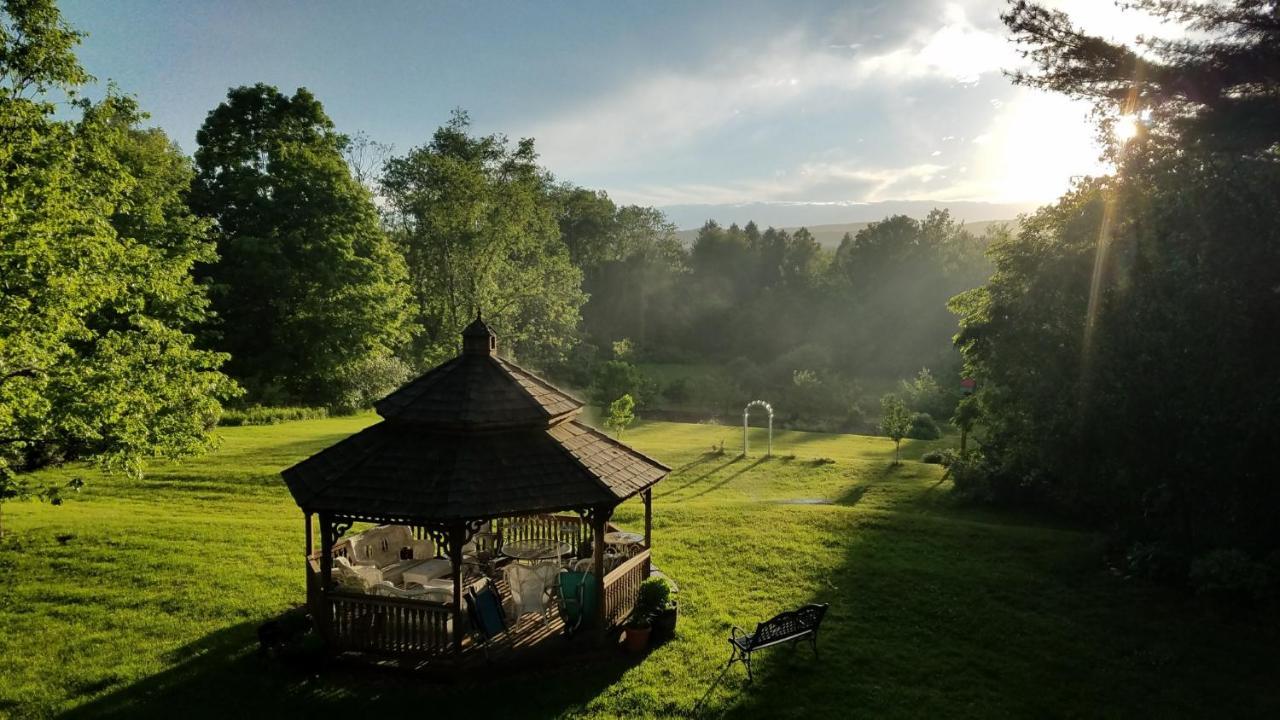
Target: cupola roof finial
x=478 y=339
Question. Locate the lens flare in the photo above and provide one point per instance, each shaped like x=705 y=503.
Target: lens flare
x=1126 y=128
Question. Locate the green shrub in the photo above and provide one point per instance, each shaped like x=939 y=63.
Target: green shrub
x=923 y=427
x=1156 y=561
x=678 y=390
x=653 y=598
x=971 y=477
x=933 y=457
x=259 y=415
x=1230 y=575
x=359 y=385
x=616 y=378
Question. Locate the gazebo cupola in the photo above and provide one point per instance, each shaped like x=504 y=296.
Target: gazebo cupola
x=476 y=438
x=478 y=339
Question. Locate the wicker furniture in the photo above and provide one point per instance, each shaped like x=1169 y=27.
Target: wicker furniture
x=424 y=571
x=528 y=591
x=381 y=547
x=791 y=627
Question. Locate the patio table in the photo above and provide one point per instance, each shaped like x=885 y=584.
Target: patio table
x=534 y=550
x=624 y=541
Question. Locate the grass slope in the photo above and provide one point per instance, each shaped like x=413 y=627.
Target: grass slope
x=149 y=608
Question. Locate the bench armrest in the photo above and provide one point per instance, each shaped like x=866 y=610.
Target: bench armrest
x=735 y=631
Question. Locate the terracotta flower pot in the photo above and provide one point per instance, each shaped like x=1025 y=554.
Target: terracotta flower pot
x=637 y=639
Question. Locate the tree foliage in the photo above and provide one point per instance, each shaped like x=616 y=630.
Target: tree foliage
x=96 y=248
x=621 y=414
x=1124 y=346
x=310 y=293
x=1213 y=89
x=475 y=221
x=895 y=422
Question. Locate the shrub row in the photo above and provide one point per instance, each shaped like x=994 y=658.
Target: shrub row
x=260 y=415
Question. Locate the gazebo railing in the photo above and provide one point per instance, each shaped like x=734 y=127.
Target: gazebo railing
x=562 y=528
x=369 y=623
x=622 y=587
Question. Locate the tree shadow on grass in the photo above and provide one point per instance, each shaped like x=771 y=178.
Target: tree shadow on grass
x=695 y=480
x=725 y=480
x=223 y=673
x=934 y=614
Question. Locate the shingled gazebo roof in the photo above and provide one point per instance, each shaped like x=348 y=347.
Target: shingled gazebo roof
x=475 y=437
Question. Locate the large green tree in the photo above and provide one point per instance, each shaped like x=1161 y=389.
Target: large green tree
x=96 y=248
x=891 y=281
x=631 y=263
x=310 y=293
x=476 y=222
x=1125 y=346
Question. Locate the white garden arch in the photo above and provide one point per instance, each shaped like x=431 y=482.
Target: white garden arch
x=746 y=415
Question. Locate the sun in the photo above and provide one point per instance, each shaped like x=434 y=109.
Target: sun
x=1126 y=128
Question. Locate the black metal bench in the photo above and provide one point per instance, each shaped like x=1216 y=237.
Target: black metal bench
x=791 y=627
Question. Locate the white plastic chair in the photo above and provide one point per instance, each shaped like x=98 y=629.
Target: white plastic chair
x=549 y=572
x=528 y=591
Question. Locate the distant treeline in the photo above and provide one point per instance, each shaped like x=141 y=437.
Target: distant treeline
x=783 y=318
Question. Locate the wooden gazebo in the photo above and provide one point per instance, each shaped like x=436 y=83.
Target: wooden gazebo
x=477 y=442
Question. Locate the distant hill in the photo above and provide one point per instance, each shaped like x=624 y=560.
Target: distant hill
x=790 y=215
x=829 y=236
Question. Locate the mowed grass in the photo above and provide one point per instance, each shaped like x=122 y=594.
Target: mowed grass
x=140 y=598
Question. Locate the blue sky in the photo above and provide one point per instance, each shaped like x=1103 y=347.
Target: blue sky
x=657 y=103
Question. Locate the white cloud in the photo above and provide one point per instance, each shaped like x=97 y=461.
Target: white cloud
x=659 y=114
x=957 y=50
x=1031 y=147
x=1030 y=151
x=852 y=180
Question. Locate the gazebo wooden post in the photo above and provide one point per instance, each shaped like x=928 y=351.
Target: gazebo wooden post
x=310 y=542
x=326 y=550
x=647 y=495
x=311 y=580
x=599 y=516
x=457 y=538
x=321 y=612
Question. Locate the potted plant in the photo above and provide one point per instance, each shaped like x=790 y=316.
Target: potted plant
x=651 y=600
x=653 y=611
x=664 y=618
x=638 y=628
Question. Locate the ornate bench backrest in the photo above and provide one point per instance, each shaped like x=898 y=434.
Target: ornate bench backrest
x=789 y=624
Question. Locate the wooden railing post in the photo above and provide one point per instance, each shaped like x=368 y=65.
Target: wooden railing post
x=457 y=538
x=648 y=517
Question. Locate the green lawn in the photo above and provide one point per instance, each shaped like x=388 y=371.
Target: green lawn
x=141 y=598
